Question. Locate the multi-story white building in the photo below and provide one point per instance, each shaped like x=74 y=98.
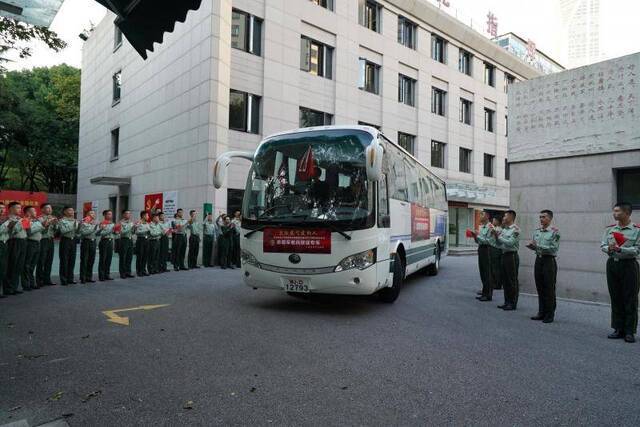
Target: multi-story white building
x=237 y=71
x=580 y=31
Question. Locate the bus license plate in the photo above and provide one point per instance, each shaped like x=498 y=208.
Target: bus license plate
x=292 y=284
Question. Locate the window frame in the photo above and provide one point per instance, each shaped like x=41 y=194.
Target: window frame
x=620 y=191
x=412 y=142
x=117 y=41
x=492 y=166
x=489 y=120
x=365 y=20
x=468 y=70
x=438 y=107
x=465 y=167
x=507 y=170
x=489 y=74
x=325 y=57
x=326 y=4
x=253 y=26
x=442 y=156
x=116 y=86
x=407 y=32
x=436 y=40
x=405 y=82
x=466 y=111
x=115 y=144
x=362 y=79
x=251 y=108
x=509 y=79
x=327 y=118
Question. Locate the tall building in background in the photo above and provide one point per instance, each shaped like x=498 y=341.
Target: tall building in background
x=580 y=32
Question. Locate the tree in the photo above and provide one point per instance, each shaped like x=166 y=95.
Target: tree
x=15 y=35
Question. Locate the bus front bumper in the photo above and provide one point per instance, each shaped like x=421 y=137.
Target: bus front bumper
x=349 y=282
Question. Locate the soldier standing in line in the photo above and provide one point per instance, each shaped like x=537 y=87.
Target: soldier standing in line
x=509 y=240
x=546 y=241
x=17 y=249
x=209 y=230
x=179 y=241
x=194 y=228
x=4 y=236
x=124 y=230
x=224 y=243
x=105 y=245
x=495 y=253
x=237 y=223
x=164 y=243
x=483 y=238
x=68 y=227
x=32 y=251
x=45 y=261
x=88 y=231
x=621 y=242
x=142 y=244
x=155 y=233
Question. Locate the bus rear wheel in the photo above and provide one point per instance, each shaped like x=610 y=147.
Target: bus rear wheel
x=390 y=294
x=433 y=269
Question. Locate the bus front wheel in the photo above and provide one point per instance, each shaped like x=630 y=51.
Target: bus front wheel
x=433 y=269
x=390 y=294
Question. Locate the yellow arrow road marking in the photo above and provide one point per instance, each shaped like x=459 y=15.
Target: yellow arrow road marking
x=124 y=321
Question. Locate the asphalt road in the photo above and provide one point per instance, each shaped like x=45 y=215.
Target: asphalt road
x=436 y=356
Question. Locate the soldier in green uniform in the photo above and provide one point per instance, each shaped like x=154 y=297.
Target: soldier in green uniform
x=209 y=231
x=621 y=242
x=142 y=244
x=88 y=231
x=179 y=241
x=4 y=236
x=124 y=230
x=195 y=228
x=155 y=234
x=17 y=250
x=495 y=253
x=105 y=245
x=224 y=243
x=483 y=238
x=546 y=241
x=164 y=243
x=68 y=227
x=45 y=260
x=509 y=240
x=32 y=251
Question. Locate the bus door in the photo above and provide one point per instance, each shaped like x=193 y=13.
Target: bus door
x=384 y=231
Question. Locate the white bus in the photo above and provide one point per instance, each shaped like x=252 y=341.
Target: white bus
x=337 y=210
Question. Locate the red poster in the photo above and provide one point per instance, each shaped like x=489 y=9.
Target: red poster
x=420 y=223
x=153 y=202
x=24 y=197
x=314 y=241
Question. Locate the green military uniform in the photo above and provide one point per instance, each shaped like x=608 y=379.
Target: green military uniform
x=17 y=246
x=88 y=233
x=164 y=247
x=45 y=260
x=142 y=248
x=495 y=254
x=547 y=241
x=195 y=228
x=105 y=246
x=4 y=236
x=623 y=278
x=155 y=234
x=224 y=246
x=68 y=228
x=34 y=235
x=125 y=249
x=179 y=243
x=509 y=240
x=209 y=232
x=483 y=239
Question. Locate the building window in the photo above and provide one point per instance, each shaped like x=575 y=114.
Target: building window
x=234 y=200
x=465 y=111
x=437 y=154
x=246 y=32
x=361 y=123
x=508 y=80
x=506 y=125
x=489 y=74
x=327 y=4
x=316 y=58
x=115 y=144
x=438 y=46
x=438 y=99
x=407 y=142
x=628 y=185
x=244 y=112
x=406 y=90
x=407 y=32
x=370 y=14
x=507 y=170
x=489 y=120
x=369 y=76
x=465 y=160
x=488 y=165
x=117 y=87
x=464 y=62
x=117 y=37
x=309 y=118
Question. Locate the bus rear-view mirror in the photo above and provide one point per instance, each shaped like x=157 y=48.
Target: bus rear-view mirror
x=374 y=160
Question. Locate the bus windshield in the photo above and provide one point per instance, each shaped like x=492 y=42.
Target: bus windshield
x=314 y=178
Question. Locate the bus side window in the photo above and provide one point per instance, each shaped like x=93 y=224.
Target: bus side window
x=400 y=180
x=424 y=196
x=384 y=220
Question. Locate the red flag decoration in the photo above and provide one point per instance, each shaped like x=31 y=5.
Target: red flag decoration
x=469 y=233
x=117 y=228
x=26 y=223
x=619 y=238
x=87 y=219
x=306 y=166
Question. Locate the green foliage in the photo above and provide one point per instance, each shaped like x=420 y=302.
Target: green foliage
x=40 y=112
x=15 y=35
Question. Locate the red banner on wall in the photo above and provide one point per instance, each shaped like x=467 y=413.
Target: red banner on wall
x=25 y=198
x=296 y=240
x=153 y=201
x=420 y=223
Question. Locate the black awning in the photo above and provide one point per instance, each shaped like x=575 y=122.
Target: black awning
x=144 y=22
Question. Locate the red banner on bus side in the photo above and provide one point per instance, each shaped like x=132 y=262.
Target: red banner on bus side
x=420 y=223
x=279 y=240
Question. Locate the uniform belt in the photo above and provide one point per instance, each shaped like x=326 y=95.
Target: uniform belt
x=47 y=238
x=140 y=236
x=89 y=239
x=622 y=259
x=484 y=246
x=106 y=239
x=546 y=256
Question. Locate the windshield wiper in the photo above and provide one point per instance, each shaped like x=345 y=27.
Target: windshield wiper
x=260 y=228
x=274 y=207
x=332 y=227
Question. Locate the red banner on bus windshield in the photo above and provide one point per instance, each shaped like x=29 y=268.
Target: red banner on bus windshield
x=296 y=240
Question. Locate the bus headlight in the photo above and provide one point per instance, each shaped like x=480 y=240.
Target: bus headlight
x=248 y=258
x=360 y=261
